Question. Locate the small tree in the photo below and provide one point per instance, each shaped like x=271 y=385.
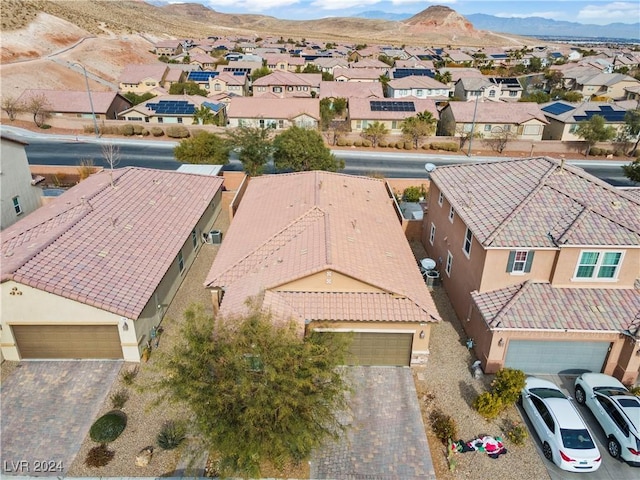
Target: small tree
x=594 y=130
x=375 y=132
x=204 y=115
x=12 y=107
x=259 y=73
x=632 y=171
x=39 y=107
x=254 y=147
x=187 y=88
x=302 y=150
x=499 y=139
x=111 y=155
x=632 y=127
x=204 y=147
x=421 y=125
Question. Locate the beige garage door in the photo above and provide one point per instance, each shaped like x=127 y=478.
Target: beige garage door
x=393 y=349
x=67 y=341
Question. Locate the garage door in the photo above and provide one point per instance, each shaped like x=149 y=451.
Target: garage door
x=556 y=357
x=392 y=349
x=67 y=341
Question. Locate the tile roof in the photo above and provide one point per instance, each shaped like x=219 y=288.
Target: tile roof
x=104 y=246
x=537 y=202
x=351 y=90
x=320 y=223
x=372 y=74
x=73 y=101
x=538 y=305
x=576 y=112
x=360 y=108
x=496 y=112
x=137 y=73
x=289 y=78
x=265 y=107
x=413 y=81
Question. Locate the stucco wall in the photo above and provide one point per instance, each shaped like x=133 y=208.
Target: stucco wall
x=495 y=275
x=568 y=260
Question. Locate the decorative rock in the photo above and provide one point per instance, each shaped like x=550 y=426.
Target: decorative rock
x=144 y=457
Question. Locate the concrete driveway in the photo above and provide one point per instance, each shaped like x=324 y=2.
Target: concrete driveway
x=47 y=410
x=610 y=469
x=386 y=437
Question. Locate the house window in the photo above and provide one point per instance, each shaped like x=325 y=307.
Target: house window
x=468 y=236
x=277 y=89
x=262 y=123
x=358 y=124
x=519 y=261
x=440 y=198
x=532 y=129
x=394 y=124
x=180 y=261
x=16 y=205
x=513 y=94
x=598 y=265
x=432 y=235
x=280 y=123
x=179 y=119
x=449 y=264
x=194 y=238
x=418 y=93
x=487 y=128
x=160 y=120
x=451 y=214
x=217 y=87
x=492 y=93
x=573 y=128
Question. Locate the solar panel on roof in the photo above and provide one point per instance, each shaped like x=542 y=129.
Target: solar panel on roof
x=382 y=106
x=557 y=108
x=178 y=107
x=606 y=108
x=418 y=72
x=609 y=115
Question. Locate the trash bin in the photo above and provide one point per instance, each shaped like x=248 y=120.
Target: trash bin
x=215 y=236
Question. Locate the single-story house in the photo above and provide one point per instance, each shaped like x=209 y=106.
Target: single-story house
x=76 y=104
x=277 y=113
x=171 y=109
x=335 y=90
x=564 y=117
x=389 y=112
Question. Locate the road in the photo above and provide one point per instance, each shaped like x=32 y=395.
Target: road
x=66 y=150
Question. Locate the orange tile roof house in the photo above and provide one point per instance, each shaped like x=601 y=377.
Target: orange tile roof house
x=287 y=84
x=143 y=78
x=170 y=109
x=342 y=74
x=351 y=90
x=75 y=104
x=90 y=274
x=541 y=262
x=388 y=111
x=278 y=113
x=417 y=86
x=327 y=250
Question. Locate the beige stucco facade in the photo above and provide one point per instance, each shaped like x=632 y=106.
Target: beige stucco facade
x=276 y=122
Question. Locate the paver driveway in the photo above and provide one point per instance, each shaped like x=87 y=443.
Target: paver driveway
x=386 y=437
x=47 y=409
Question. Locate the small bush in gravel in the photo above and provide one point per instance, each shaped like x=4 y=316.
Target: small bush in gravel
x=447 y=146
x=444 y=427
x=157 y=131
x=127 y=130
x=119 y=398
x=137 y=129
x=129 y=375
x=488 y=405
x=99 y=456
x=108 y=427
x=516 y=432
x=177 y=131
x=508 y=384
x=171 y=435
x=382 y=144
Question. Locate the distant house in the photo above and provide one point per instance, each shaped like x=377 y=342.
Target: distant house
x=328 y=64
x=510 y=88
x=141 y=79
x=287 y=84
x=389 y=112
x=91 y=274
x=341 y=74
x=236 y=83
x=19 y=196
x=564 y=117
x=76 y=104
x=369 y=63
x=418 y=87
x=471 y=88
x=168 y=47
x=347 y=90
x=609 y=85
x=172 y=109
x=283 y=62
x=240 y=66
x=204 y=61
x=277 y=113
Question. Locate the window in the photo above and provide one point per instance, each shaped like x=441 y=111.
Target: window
x=160 y=120
x=16 y=205
x=487 y=128
x=519 y=261
x=532 y=129
x=194 y=239
x=280 y=123
x=277 y=89
x=449 y=263
x=468 y=236
x=544 y=413
x=394 y=124
x=451 y=214
x=432 y=235
x=179 y=119
x=492 y=93
x=180 y=261
x=418 y=93
x=598 y=265
x=573 y=128
x=217 y=87
x=513 y=94
x=440 y=198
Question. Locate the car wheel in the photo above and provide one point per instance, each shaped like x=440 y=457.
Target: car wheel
x=546 y=451
x=580 y=396
x=614 y=447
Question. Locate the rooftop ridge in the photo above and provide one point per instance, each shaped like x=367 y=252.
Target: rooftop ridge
x=495 y=321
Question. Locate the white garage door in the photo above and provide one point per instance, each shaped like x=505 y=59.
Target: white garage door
x=533 y=356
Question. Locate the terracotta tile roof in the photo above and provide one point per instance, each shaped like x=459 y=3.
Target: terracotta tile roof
x=67 y=101
x=231 y=79
x=368 y=63
x=533 y=305
x=535 y=202
x=497 y=112
x=137 y=73
x=264 y=107
x=580 y=111
x=289 y=78
x=351 y=90
x=360 y=108
x=413 y=81
x=108 y=247
x=320 y=223
x=458 y=73
x=372 y=74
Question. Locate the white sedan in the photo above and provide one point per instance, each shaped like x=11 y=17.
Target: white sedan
x=566 y=440
x=617 y=412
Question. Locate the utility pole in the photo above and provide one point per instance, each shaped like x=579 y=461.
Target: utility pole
x=93 y=113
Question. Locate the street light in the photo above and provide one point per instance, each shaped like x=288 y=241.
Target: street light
x=473 y=121
x=93 y=113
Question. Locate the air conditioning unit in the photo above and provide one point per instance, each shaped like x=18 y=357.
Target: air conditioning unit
x=215 y=236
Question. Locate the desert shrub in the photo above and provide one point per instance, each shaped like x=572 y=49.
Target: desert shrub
x=171 y=435
x=399 y=145
x=412 y=194
x=145 y=132
x=444 y=427
x=177 y=131
x=366 y=143
x=516 y=432
x=618 y=153
x=129 y=375
x=108 y=427
x=99 y=456
x=446 y=146
x=126 y=130
x=45 y=126
x=341 y=142
x=595 y=151
x=382 y=144
x=488 y=405
x=608 y=152
x=157 y=131
x=357 y=143
x=137 y=129
x=508 y=384
x=88 y=129
x=348 y=142
x=119 y=398
x=426 y=146
x=635 y=390
x=408 y=145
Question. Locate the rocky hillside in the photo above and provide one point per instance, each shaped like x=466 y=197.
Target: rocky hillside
x=441 y=18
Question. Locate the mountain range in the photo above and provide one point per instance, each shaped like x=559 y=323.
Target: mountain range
x=534 y=26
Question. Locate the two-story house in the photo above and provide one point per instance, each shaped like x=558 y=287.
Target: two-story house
x=541 y=262
x=417 y=86
x=287 y=84
x=564 y=118
x=141 y=79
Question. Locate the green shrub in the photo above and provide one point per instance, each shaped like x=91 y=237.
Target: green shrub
x=382 y=144
x=341 y=142
x=45 y=126
x=171 y=435
x=357 y=143
x=145 y=132
x=99 y=456
x=126 y=130
x=108 y=427
x=444 y=427
x=129 y=375
x=119 y=398
x=635 y=390
x=517 y=433
x=408 y=145
x=157 y=131
x=399 y=145
x=177 y=131
x=508 y=384
x=413 y=194
x=366 y=143
x=137 y=129
x=446 y=146
x=488 y=405
x=595 y=151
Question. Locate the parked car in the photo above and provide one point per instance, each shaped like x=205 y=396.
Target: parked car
x=617 y=412
x=566 y=440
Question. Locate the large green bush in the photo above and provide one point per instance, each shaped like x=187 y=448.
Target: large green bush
x=177 y=131
x=443 y=426
x=171 y=435
x=508 y=384
x=157 y=131
x=446 y=146
x=488 y=405
x=108 y=427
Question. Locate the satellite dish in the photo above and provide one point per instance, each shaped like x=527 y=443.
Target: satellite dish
x=429 y=167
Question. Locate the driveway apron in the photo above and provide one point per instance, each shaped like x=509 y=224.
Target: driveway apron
x=47 y=410
x=385 y=437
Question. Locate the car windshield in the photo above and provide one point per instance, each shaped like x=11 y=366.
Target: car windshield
x=576 y=439
x=547 y=393
x=611 y=391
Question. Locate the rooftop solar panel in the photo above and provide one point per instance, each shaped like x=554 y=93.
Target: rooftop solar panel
x=418 y=72
x=557 y=108
x=200 y=76
x=382 y=106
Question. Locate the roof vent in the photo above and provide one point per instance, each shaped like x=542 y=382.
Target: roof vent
x=616 y=204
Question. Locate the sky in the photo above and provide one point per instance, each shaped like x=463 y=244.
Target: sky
x=599 y=12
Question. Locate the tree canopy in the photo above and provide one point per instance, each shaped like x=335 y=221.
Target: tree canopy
x=632 y=171
x=254 y=147
x=594 y=130
x=204 y=147
x=302 y=150
x=257 y=391
x=259 y=73
x=421 y=125
x=187 y=88
x=375 y=132
x=632 y=126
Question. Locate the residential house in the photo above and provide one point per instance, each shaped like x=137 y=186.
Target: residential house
x=341 y=74
x=328 y=64
x=284 y=63
x=18 y=195
x=389 y=112
x=539 y=260
x=609 y=85
x=140 y=79
x=328 y=252
x=168 y=47
x=276 y=113
x=202 y=60
x=414 y=62
x=347 y=90
x=472 y=88
x=76 y=104
x=373 y=63
x=510 y=88
x=287 y=85
x=172 y=109
x=525 y=120
x=633 y=93
x=240 y=66
x=461 y=72
x=418 y=87
x=91 y=274
x=236 y=83
x=458 y=57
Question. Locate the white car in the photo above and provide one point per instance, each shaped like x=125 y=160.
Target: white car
x=617 y=412
x=565 y=439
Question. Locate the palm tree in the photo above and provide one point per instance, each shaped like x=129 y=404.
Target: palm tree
x=375 y=132
x=421 y=125
x=203 y=115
